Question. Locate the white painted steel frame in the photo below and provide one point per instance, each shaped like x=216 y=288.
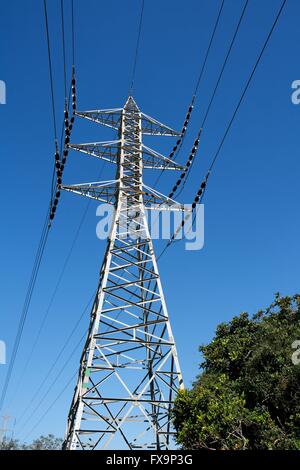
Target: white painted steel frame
x=129 y=370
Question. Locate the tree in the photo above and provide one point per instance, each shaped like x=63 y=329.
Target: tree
x=49 y=442
x=247 y=395
x=9 y=444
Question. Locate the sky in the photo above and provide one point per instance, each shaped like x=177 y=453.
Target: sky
x=252 y=226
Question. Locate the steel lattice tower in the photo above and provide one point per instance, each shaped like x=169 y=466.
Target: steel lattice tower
x=129 y=371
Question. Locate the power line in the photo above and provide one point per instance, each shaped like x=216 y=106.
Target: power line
x=225 y=61
x=180 y=142
x=209 y=47
x=217 y=85
x=44 y=319
x=247 y=84
x=63 y=45
x=50 y=70
x=43 y=238
x=63 y=368
x=73 y=33
x=52 y=300
x=34 y=273
x=137 y=47
x=217 y=153
x=61 y=351
x=52 y=404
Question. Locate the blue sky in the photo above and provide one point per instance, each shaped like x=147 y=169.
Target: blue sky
x=252 y=227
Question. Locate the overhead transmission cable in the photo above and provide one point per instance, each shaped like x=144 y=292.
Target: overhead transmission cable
x=61 y=371
x=53 y=296
x=67 y=258
x=60 y=353
x=42 y=242
x=199 y=78
x=137 y=48
x=176 y=150
x=52 y=404
x=208 y=49
x=56 y=288
x=241 y=97
x=217 y=86
x=73 y=33
x=201 y=191
x=63 y=45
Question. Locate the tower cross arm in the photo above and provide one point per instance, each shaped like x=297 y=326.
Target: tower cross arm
x=151 y=126
x=108 y=151
x=112 y=118
x=103 y=191
x=155 y=200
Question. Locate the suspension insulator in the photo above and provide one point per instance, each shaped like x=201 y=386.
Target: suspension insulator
x=68 y=132
x=190 y=109
x=174 y=189
x=63 y=161
x=55 y=202
x=185 y=124
x=178 y=182
x=67 y=140
x=59 y=181
x=70 y=127
x=58 y=173
x=196 y=199
x=182 y=223
x=175 y=148
x=57 y=164
x=66 y=122
x=200 y=192
x=53 y=209
x=57 y=195
x=188 y=116
x=183 y=130
x=194 y=205
x=74 y=106
x=62 y=168
x=170 y=195
x=171 y=155
x=72 y=119
x=73 y=81
x=188 y=163
x=65 y=153
x=178 y=142
x=51 y=216
x=66 y=114
x=203 y=184
x=182 y=175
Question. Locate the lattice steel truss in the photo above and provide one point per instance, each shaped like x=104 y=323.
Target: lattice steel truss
x=129 y=371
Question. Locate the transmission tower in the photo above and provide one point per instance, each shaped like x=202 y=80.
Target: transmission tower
x=129 y=371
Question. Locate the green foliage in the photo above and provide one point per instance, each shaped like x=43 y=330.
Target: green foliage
x=49 y=442
x=248 y=393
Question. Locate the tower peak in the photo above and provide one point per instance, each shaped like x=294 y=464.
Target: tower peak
x=131 y=104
